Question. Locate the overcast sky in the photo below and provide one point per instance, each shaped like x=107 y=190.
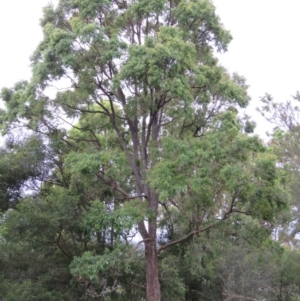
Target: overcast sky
x=265 y=47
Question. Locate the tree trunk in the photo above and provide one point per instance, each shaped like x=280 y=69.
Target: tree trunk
x=153 y=285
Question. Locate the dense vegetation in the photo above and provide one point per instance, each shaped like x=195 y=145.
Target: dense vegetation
x=138 y=180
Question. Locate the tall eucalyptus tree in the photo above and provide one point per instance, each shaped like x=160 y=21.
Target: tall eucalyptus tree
x=145 y=72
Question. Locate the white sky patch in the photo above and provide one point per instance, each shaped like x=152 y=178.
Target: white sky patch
x=265 y=47
x=20 y=33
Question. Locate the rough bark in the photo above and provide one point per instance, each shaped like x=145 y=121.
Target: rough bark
x=153 y=285
x=152 y=276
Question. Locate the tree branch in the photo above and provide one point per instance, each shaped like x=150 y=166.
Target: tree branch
x=177 y=241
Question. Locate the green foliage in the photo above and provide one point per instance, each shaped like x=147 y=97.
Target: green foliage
x=22 y=161
x=28 y=291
